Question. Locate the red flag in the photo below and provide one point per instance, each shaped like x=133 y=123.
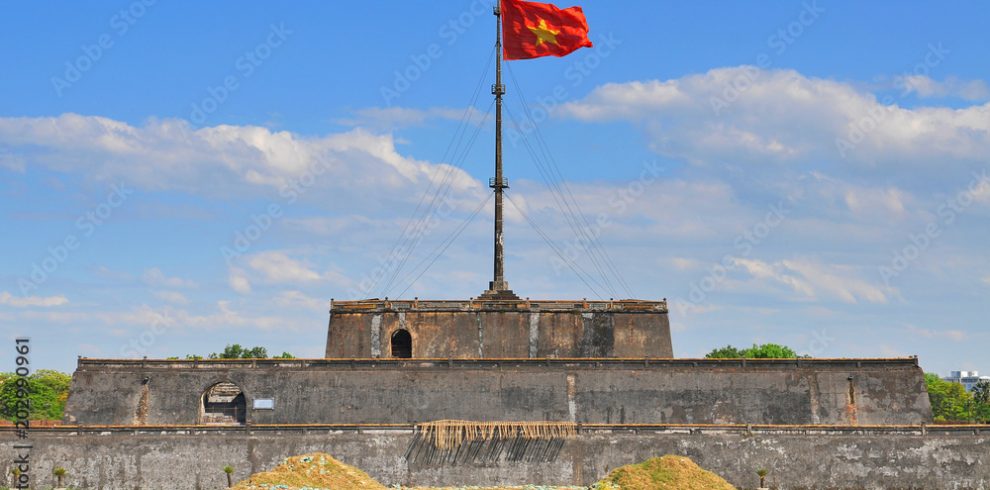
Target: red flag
x=531 y=30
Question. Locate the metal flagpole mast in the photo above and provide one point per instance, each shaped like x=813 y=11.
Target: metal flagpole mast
x=499 y=182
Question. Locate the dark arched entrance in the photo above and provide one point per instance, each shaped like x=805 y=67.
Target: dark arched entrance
x=224 y=404
x=401 y=344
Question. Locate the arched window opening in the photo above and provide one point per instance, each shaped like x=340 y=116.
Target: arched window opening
x=223 y=404
x=401 y=344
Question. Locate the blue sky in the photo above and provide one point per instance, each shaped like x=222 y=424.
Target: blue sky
x=178 y=176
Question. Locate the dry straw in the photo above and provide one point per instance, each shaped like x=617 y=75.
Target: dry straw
x=450 y=434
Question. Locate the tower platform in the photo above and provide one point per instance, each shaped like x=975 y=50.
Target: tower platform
x=498 y=328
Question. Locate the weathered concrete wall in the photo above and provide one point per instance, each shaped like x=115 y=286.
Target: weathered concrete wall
x=519 y=329
x=798 y=458
x=580 y=390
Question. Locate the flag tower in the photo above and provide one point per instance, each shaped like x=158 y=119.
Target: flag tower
x=533 y=30
x=498 y=288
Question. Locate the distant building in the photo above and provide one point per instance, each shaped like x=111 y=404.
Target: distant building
x=969 y=379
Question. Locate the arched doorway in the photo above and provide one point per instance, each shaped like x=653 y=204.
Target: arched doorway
x=401 y=344
x=224 y=404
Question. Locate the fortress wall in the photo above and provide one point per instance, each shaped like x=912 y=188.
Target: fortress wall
x=585 y=391
x=798 y=458
x=460 y=330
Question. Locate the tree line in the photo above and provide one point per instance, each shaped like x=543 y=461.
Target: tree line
x=47 y=392
x=235 y=351
x=952 y=403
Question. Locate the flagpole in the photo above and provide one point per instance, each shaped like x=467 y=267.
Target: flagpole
x=498 y=288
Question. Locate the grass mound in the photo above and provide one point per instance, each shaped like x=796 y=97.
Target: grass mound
x=314 y=471
x=664 y=473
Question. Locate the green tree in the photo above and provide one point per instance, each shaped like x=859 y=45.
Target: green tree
x=762 y=473
x=47 y=392
x=232 y=351
x=727 y=352
x=59 y=473
x=950 y=401
x=235 y=351
x=285 y=355
x=981 y=392
x=229 y=470
x=981 y=398
x=982 y=414
x=769 y=351
x=764 y=351
x=255 y=353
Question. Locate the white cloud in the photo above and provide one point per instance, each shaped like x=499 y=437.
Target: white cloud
x=32 y=301
x=338 y=279
x=759 y=117
x=816 y=281
x=155 y=277
x=327 y=226
x=298 y=299
x=924 y=86
x=279 y=268
x=778 y=273
x=143 y=317
x=862 y=201
x=890 y=351
x=838 y=281
x=683 y=313
x=950 y=334
x=986 y=280
x=170 y=154
x=11 y=162
x=705 y=207
x=239 y=282
x=979 y=189
x=685 y=308
x=684 y=263
x=173 y=297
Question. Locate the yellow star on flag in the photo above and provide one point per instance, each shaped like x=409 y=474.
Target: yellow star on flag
x=543 y=33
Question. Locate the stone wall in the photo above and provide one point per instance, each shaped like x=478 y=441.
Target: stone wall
x=501 y=329
x=649 y=391
x=798 y=457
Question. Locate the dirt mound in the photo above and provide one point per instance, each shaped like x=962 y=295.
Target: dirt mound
x=665 y=473
x=314 y=471
x=319 y=471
